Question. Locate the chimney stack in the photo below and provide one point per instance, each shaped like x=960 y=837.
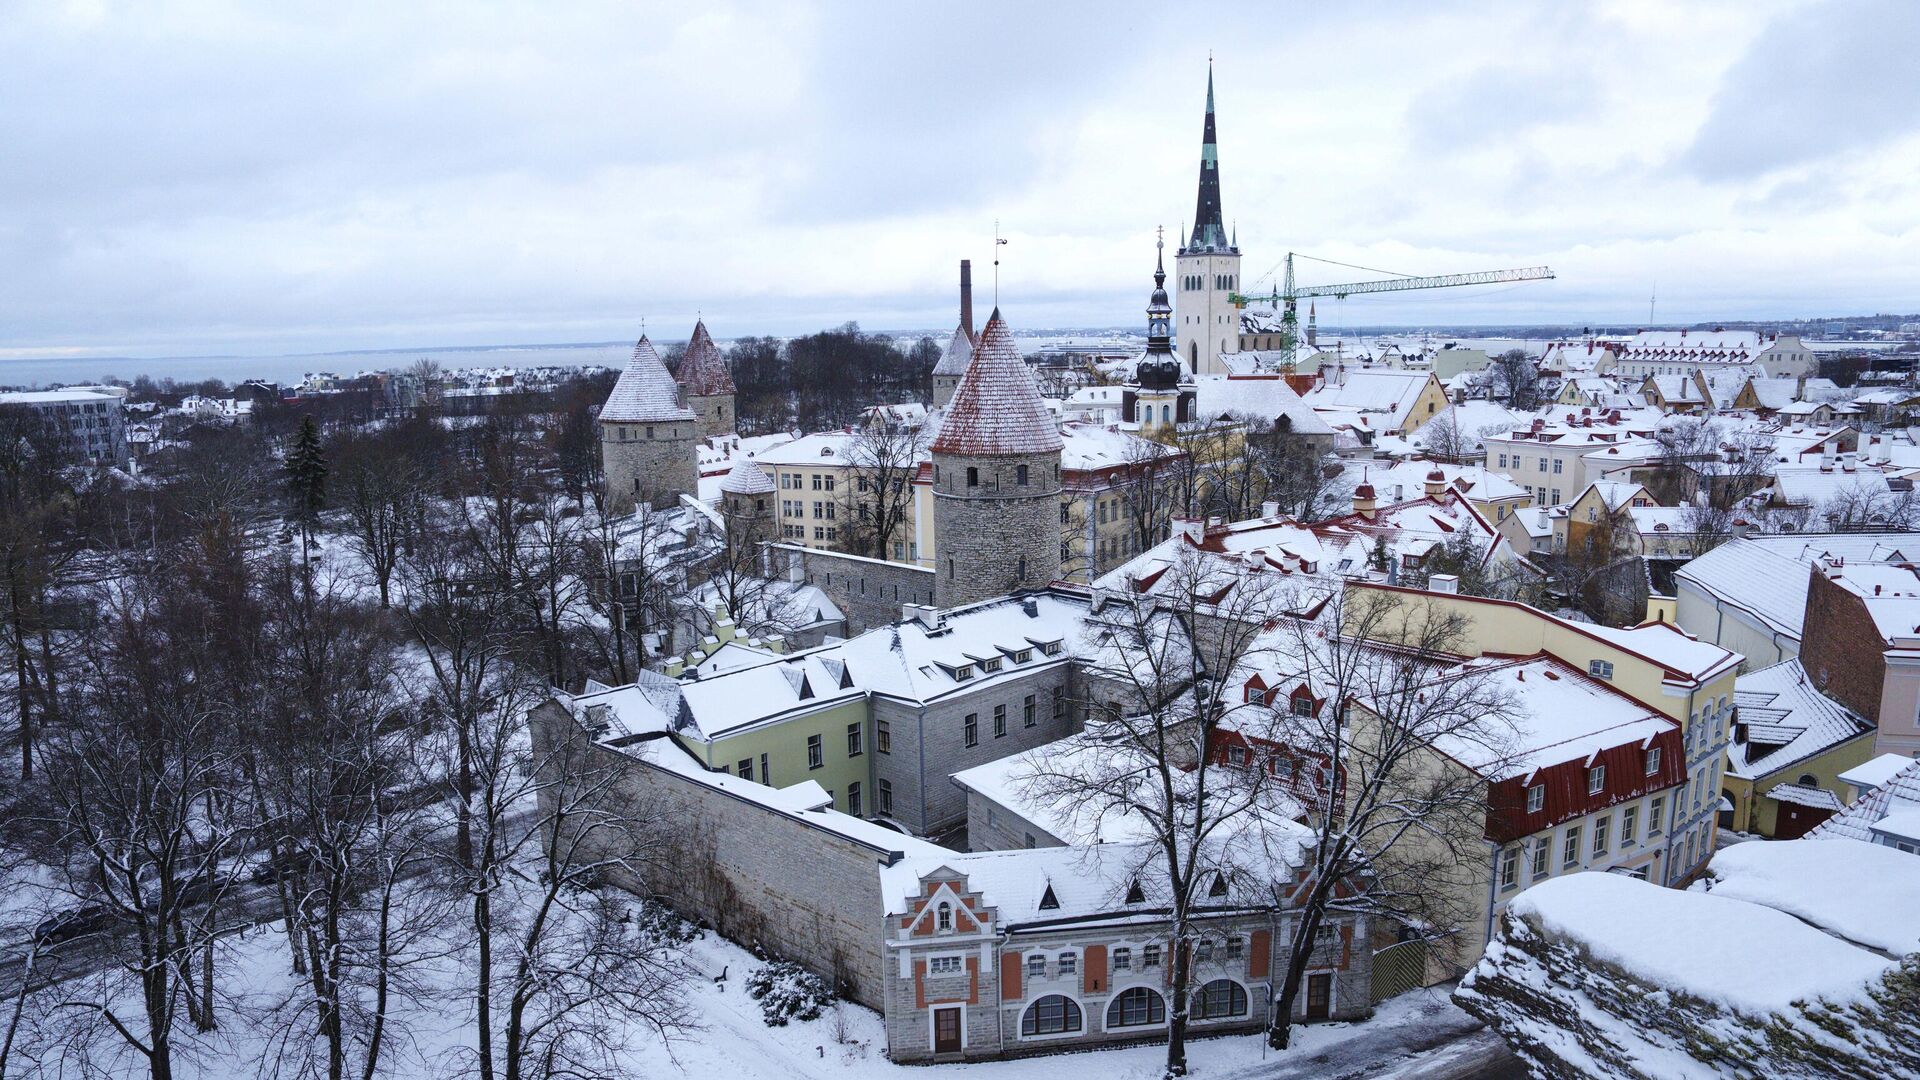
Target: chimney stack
x=966 y=295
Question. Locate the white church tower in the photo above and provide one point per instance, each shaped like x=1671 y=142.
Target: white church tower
x=1208 y=267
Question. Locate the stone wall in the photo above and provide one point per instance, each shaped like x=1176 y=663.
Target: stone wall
x=871 y=592
x=994 y=536
x=656 y=461
x=715 y=413
x=761 y=877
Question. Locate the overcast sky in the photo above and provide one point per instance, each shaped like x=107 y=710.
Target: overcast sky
x=206 y=178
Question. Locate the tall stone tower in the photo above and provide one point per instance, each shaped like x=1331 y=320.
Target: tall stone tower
x=647 y=436
x=746 y=499
x=959 y=350
x=1208 y=268
x=703 y=372
x=996 y=479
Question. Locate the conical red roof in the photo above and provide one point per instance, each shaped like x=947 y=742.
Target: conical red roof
x=645 y=392
x=703 y=371
x=996 y=408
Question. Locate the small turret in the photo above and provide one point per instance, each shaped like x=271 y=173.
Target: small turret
x=1436 y=484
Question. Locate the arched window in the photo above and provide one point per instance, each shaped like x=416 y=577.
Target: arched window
x=1166 y=414
x=1808 y=780
x=1136 y=1007
x=1054 y=1015
x=943 y=918
x=1220 y=999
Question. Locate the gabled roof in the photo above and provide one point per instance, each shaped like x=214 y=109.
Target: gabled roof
x=703 y=371
x=1788 y=720
x=645 y=392
x=1898 y=797
x=954 y=358
x=997 y=409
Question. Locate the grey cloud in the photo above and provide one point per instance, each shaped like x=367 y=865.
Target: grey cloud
x=1838 y=76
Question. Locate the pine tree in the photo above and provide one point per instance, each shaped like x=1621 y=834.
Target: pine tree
x=306 y=466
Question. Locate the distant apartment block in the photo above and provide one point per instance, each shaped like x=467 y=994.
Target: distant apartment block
x=89 y=425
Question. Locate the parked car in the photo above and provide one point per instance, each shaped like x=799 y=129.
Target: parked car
x=203 y=887
x=72 y=923
x=297 y=861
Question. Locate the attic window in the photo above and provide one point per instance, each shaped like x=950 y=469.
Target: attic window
x=1048 y=901
x=1219 y=886
x=943 y=918
x=1051 y=648
x=963 y=673
x=1023 y=656
x=1135 y=894
x=990 y=664
x=1600 y=669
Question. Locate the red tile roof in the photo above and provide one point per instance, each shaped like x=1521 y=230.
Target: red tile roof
x=703 y=371
x=996 y=409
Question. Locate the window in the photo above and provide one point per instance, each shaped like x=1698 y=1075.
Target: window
x=1536 y=798
x=1600 y=669
x=1236 y=947
x=1059 y=702
x=1655 y=811
x=943 y=965
x=1220 y=999
x=990 y=664
x=1556 y=464
x=1503 y=460
x=1629 y=822
x=882 y=737
x=766 y=774
x=1653 y=760
x=1237 y=755
x=1570 y=851
x=855 y=744
x=1150 y=956
x=1539 y=859
x=1509 y=869
x=1036 y=966
x=1600 y=830
x=1051 y=1015
x=815 y=757
x=943 y=918
x=1026 y=712
x=1020 y=475
x=973 y=476
x=1136 y=1007
x=1596 y=779
x=1122 y=959
x=999 y=721
x=853 y=800
x=1303 y=706
x=1069 y=963
x=972 y=729
x=886 y=796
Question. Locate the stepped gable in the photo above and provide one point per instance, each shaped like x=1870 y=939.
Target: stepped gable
x=996 y=409
x=955 y=357
x=703 y=371
x=646 y=392
x=747 y=478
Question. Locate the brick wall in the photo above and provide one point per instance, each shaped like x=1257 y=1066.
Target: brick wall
x=1842 y=649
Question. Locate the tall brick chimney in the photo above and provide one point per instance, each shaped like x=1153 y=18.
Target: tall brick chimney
x=966 y=295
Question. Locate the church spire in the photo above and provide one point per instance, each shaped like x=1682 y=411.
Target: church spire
x=1209 y=231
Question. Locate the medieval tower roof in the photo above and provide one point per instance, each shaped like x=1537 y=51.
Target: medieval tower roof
x=955 y=357
x=703 y=371
x=1209 y=231
x=996 y=409
x=645 y=393
x=747 y=478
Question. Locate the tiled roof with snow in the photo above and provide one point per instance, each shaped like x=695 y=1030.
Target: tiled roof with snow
x=1389 y=392
x=747 y=478
x=1788 y=720
x=1813 y=485
x=954 y=358
x=703 y=371
x=997 y=409
x=1090 y=447
x=645 y=391
x=1898 y=796
x=1767 y=576
x=1263 y=397
x=1559 y=714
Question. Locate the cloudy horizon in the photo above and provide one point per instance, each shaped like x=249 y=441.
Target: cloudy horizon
x=208 y=179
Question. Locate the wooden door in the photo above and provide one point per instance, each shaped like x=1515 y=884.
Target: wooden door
x=946 y=1031
x=1319 y=996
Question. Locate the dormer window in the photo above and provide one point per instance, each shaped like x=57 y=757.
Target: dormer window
x=1219 y=886
x=1048 y=901
x=1536 y=798
x=1653 y=760
x=990 y=664
x=943 y=918
x=1051 y=648
x=1023 y=656
x=1135 y=894
x=1596 y=779
x=963 y=673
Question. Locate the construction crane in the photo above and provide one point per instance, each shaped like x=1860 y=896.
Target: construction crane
x=1288 y=295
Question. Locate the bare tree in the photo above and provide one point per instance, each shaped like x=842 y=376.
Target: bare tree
x=1443 y=440
x=382 y=490
x=1152 y=716
x=1292 y=472
x=1514 y=380
x=877 y=495
x=1396 y=824
x=1687 y=445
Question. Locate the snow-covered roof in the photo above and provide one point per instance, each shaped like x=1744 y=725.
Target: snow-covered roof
x=645 y=392
x=1010 y=782
x=747 y=478
x=1262 y=397
x=1788 y=720
x=55 y=397
x=1089 y=447
x=1811 y=797
x=1813 y=485
x=833 y=448
x=1862 y=892
x=1872 y=774
x=955 y=357
x=1898 y=797
x=703 y=371
x=1390 y=392
x=996 y=408
x=1410 y=478
x=1767 y=576
x=1560 y=714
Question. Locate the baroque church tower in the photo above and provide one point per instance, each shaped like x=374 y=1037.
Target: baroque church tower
x=1157 y=397
x=996 y=479
x=1208 y=269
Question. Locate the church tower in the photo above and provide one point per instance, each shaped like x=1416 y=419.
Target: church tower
x=996 y=479
x=1208 y=268
x=647 y=436
x=1157 y=377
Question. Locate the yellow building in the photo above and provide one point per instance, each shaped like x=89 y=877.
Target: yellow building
x=1790 y=745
